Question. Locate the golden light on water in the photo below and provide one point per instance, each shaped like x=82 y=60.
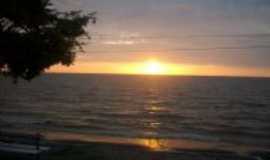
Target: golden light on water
x=152 y=143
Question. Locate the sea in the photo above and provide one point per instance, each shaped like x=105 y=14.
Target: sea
x=225 y=110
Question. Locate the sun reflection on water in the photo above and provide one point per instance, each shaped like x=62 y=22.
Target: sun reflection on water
x=154 y=107
x=152 y=143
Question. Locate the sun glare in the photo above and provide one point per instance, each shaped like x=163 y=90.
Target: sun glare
x=147 y=67
x=154 y=67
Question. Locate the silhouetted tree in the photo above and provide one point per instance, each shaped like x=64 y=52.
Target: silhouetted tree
x=35 y=36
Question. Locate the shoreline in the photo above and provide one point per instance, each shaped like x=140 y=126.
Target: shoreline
x=77 y=146
x=155 y=144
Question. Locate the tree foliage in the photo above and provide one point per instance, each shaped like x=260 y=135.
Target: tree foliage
x=35 y=36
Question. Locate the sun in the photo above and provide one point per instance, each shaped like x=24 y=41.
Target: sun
x=154 y=67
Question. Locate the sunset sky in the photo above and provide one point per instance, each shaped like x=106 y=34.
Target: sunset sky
x=176 y=37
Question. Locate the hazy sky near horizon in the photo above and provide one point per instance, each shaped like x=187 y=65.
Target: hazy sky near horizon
x=227 y=33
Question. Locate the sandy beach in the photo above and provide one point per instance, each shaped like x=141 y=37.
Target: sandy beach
x=75 y=146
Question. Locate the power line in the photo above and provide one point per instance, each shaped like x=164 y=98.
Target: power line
x=222 y=48
x=160 y=36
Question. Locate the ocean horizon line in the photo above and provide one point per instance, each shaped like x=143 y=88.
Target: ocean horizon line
x=158 y=75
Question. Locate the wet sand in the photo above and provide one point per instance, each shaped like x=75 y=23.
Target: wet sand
x=113 y=151
x=77 y=146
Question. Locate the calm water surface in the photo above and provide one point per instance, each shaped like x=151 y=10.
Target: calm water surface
x=217 y=109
